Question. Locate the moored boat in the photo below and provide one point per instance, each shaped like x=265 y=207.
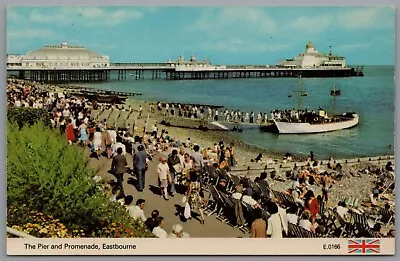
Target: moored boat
x=337 y=122
x=303 y=122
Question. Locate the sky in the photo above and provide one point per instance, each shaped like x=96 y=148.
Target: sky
x=222 y=35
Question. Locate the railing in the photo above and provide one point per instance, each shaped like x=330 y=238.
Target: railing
x=18 y=233
x=169 y=67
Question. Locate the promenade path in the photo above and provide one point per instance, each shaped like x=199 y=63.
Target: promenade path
x=212 y=228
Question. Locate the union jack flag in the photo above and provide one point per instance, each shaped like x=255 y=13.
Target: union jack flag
x=363 y=246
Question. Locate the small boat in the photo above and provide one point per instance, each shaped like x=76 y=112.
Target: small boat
x=336 y=122
x=311 y=122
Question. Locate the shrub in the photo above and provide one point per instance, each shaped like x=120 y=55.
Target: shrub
x=47 y=175
x=27 y=116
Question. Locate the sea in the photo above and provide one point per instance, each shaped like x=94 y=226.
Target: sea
x=371 y=96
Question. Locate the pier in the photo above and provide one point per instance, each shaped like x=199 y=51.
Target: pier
x=166 y=72
x=66 y=63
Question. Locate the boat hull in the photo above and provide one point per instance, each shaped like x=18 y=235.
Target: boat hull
x=304 y=128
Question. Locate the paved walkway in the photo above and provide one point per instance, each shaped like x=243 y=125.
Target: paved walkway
x=212 y=228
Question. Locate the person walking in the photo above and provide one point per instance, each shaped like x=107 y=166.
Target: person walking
x=97 y=142
x=70 y=132
x=175 y=167
x=194 y=197
x=139 y=166
x=83 y=137
x=118 y=167
x=163 y=177
x=108 y=143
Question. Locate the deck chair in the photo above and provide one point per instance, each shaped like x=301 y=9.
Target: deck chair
x=276 y=194
x=256 y=188
x=239 y=215
x=230 y=187
x=385 y=216
x=361 y=225
x=248 y=213
x=340 y=225
x=265 y=190
x=218 y=203
x=235 y=179
x=211 y=204
x=205 y=178
x=213 y=175
x=388 y=183
x=289 y=200
x=228 y=209
x=299 y=232
x=325 y=215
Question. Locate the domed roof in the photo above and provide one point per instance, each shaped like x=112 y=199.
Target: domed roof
x=63 y=51
x=309 y=45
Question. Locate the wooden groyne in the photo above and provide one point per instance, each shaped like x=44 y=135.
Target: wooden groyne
x=183 y=105
x=86 y=90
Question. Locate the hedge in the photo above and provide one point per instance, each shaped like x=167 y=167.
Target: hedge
x=47 y=175
x=27 y=116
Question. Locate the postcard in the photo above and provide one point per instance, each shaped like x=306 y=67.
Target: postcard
x=129 y=127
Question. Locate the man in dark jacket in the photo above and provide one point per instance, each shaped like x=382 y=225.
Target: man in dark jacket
x=173 y=160
x=151 y=222
x=118 y=167
x=139 y=166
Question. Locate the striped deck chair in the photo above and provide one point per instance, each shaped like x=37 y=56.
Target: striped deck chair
x=299 y=232
x=279 y=196
x=388 y=182
x=286 y=200
x=361 y=225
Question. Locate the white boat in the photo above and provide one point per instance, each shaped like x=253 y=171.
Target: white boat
x=338 y=122
x=317 y=123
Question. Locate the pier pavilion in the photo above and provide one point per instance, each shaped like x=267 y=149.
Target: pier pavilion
x=60 y=63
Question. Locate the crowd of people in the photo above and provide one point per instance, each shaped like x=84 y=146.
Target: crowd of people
x=210 y=113
x=271 y=213
x=302 y=115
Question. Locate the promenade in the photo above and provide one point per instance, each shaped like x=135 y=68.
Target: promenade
x=167 y=209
